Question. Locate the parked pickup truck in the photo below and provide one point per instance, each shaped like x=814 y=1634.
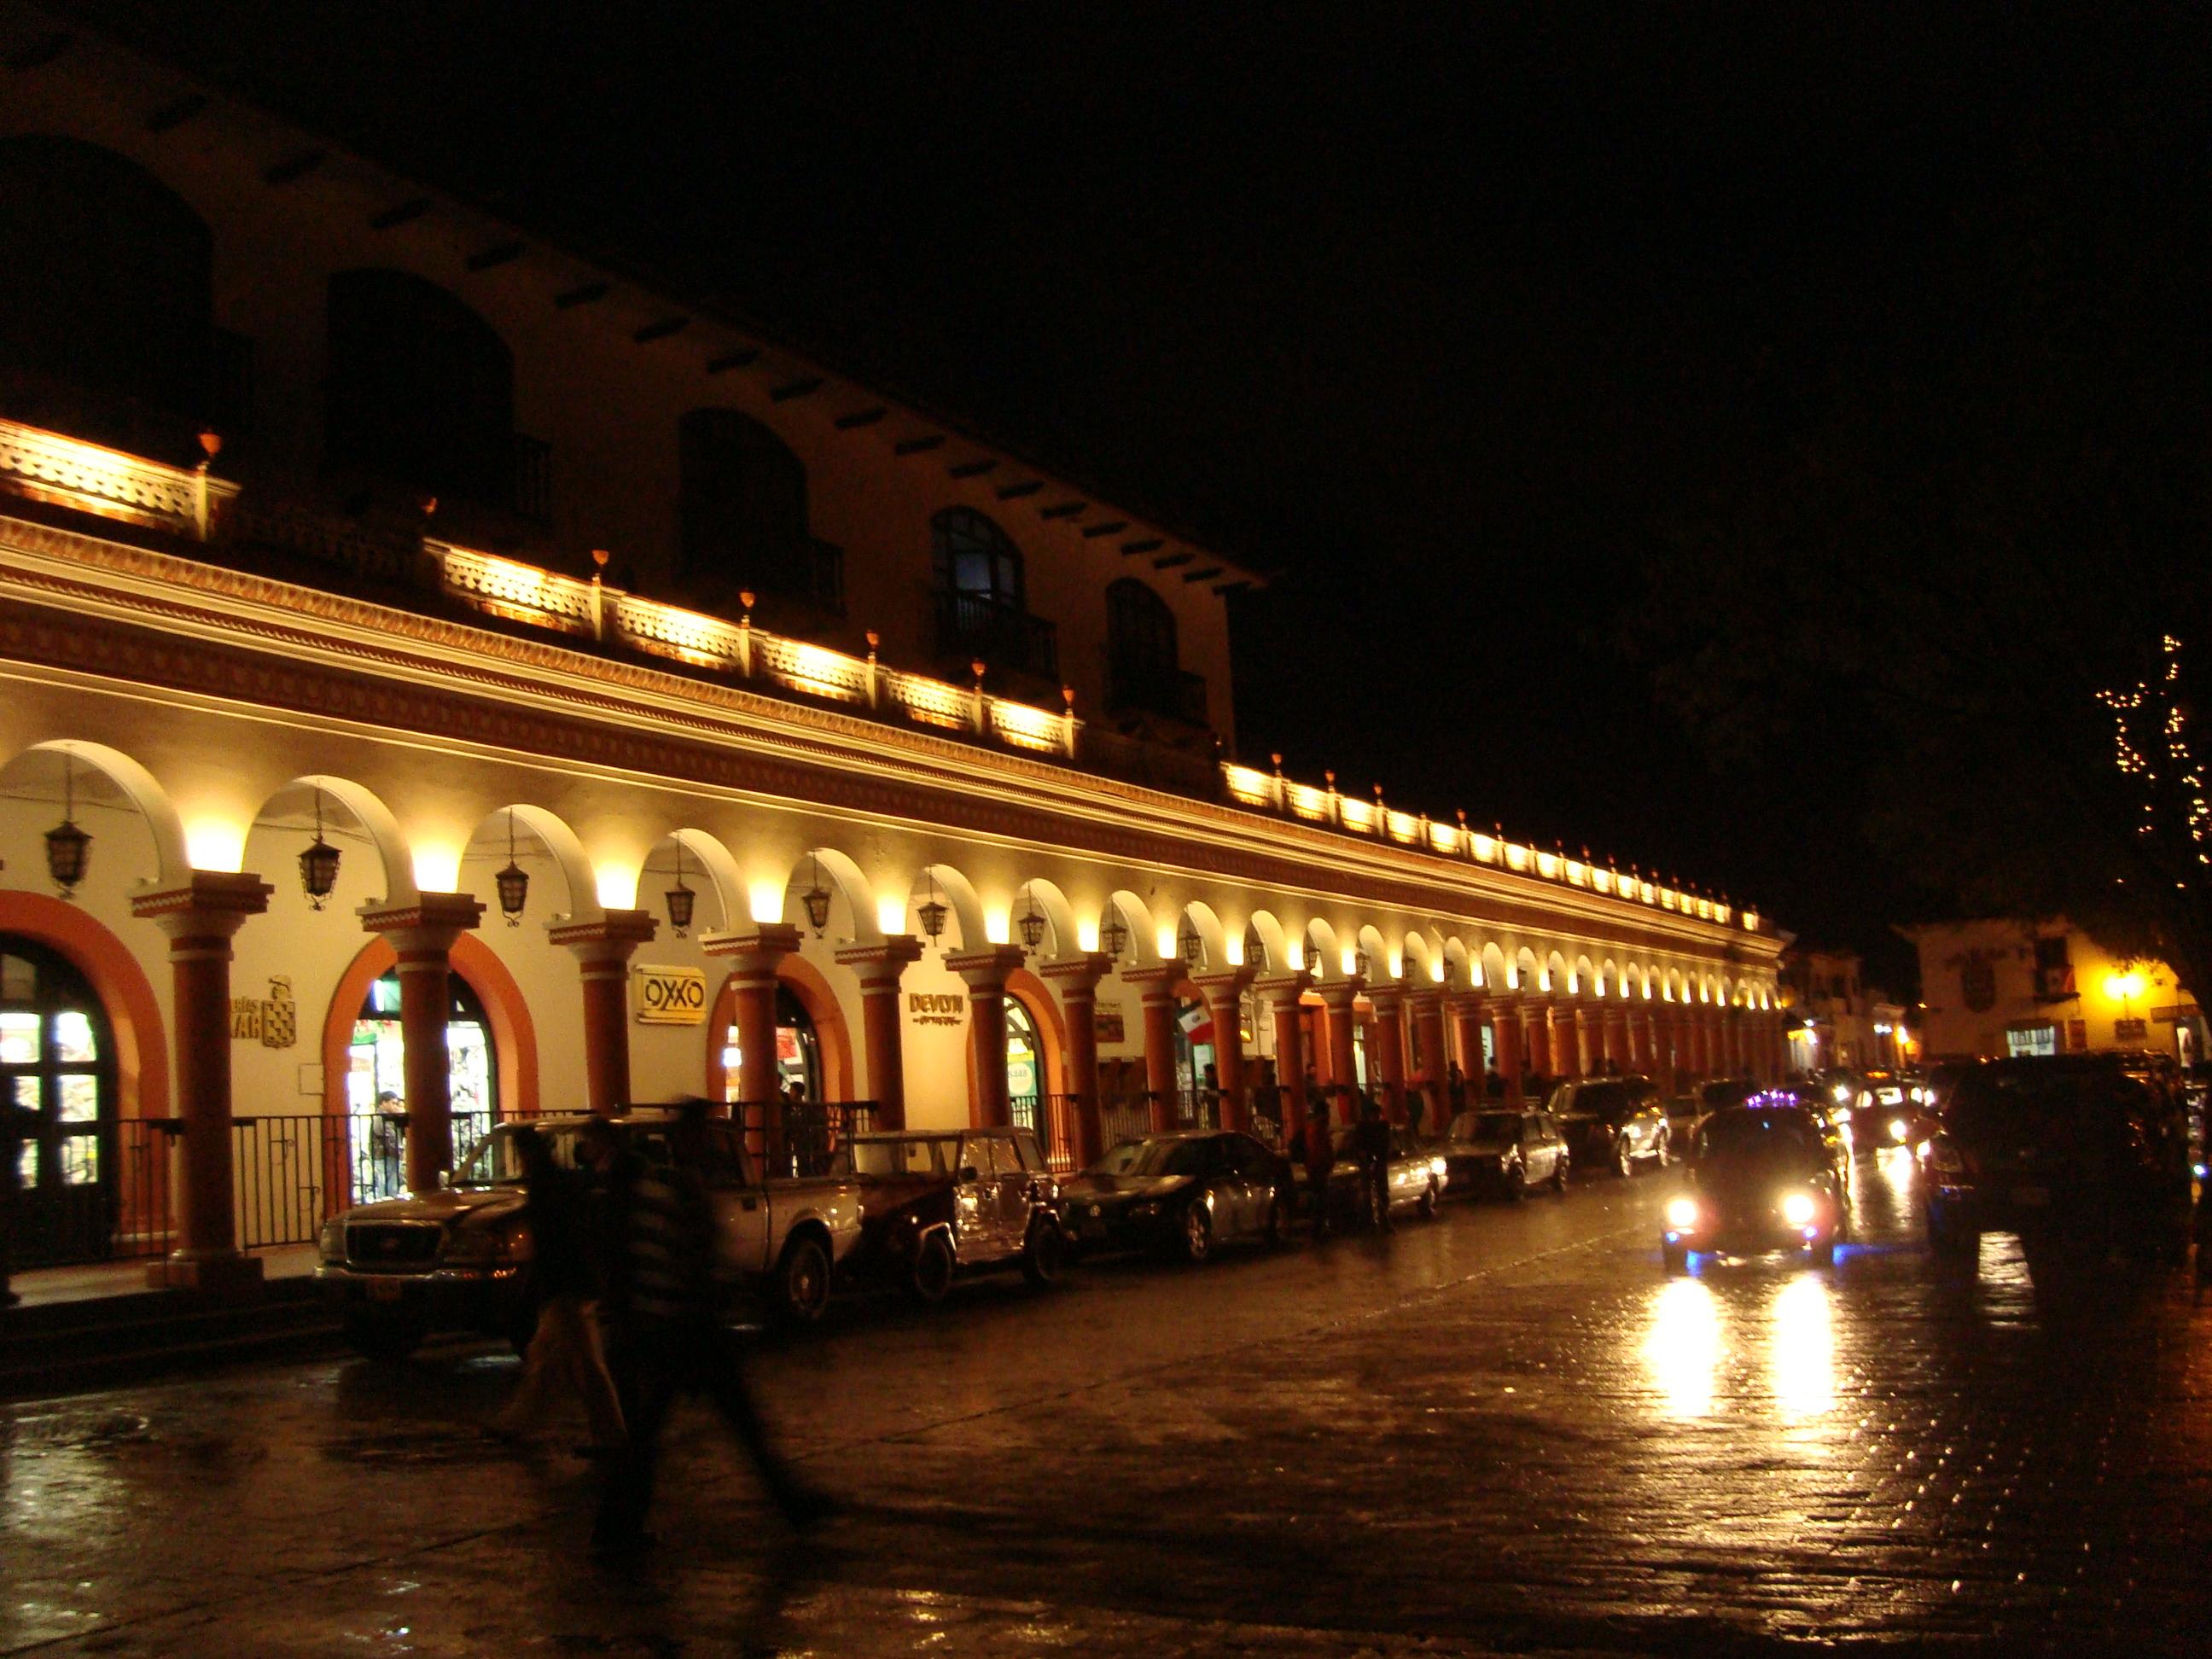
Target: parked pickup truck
x=459 y=1259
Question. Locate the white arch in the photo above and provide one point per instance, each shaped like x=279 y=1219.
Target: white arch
x=1211 y=932
x=1273 y=941
x=956 y=892
x=846 y=882
x=1059 y=914
x=562 y=845
x=1324 y=958
x=172 y=861
x=376 y=818
x=1381 y=970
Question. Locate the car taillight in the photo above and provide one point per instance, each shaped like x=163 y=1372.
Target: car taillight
x=1942 y=1158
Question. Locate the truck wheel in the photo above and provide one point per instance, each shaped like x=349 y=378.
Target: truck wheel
x=930 y=1275
x=802 y=1281
x=383 y=1336
x=1041 y=1256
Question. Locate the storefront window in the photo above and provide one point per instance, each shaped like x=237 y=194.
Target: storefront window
x=376 y=1079
x=56 y=1087
x=2032 y=1040
x=797 y=1051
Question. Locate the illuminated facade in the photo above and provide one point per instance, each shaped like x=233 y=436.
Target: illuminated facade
x=741 y=727
x=2000 y=987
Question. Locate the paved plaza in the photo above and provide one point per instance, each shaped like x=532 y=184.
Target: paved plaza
x=1504 y=1430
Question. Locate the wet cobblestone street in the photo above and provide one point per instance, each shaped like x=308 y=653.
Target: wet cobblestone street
x=1504 y=1430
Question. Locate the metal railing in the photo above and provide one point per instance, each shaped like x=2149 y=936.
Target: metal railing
x=1158 y=688
x=1051 y=1119
x=1002 y=635
x=787 y=1141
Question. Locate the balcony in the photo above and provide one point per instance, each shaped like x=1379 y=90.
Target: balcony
x=1157 y=688
x=972 y=625
x=721 y=560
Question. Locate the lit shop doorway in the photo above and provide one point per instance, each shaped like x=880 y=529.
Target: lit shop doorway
x=1194 y=1060
x=1024 y=1071
x=376 y=1081
x=58 y=1082
x=797 y=1051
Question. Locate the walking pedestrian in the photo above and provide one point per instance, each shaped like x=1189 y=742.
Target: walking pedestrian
x=1493 y=1084
x=1455 y=1089
x=1321 y=1158
x=1371 y=1141
x=564 y=1281
x=670 y=1340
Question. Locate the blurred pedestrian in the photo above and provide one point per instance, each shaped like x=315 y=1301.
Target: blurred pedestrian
x=1371 y=1139
x=564 y=1282
x=1321 y=1158
x=1417 y=1106
x=1493 y=1084
x=670 y=1340
x=1455 y=1089
x=1268 y=1099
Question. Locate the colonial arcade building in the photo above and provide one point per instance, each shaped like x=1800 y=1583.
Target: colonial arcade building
x=447 y=680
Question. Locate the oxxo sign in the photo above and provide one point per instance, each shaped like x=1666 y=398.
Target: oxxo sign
x=670 y=996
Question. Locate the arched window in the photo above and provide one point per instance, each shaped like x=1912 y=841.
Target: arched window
x=743 y=503
x=103 y=285
x=420 y=390
x=974 y=557
x=1141 y=629
x=58 y=1083
x=376 y=1082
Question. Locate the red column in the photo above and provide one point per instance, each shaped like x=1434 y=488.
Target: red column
x=1469 y=1013
x=1389 y=1001
x=985 y=972
x=1337 y=997
x=753 y=954
x=200 y=918
x=1424 y=1007
x=1156 y=985
x=1223 y=994
x=1536 y=1036
x=880 y=967
x=1507 y=1021
x=422 y=935
x=1584 y=1057
x=1631 y=1040
x=1077 y=978
x=1281 y=995
x=603 y=949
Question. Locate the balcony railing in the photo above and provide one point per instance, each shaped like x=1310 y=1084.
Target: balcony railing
x=975 y=625
x=1158 y=688
x=190 y=503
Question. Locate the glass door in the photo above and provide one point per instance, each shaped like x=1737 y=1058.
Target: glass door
x=56 y=1086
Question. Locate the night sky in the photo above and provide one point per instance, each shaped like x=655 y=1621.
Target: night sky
x=1448 y=315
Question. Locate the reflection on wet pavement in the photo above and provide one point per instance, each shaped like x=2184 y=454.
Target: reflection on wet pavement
x=1509 y=1427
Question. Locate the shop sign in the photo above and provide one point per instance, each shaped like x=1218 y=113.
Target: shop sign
x=272 y=1021
x=2130 y=1030
x=935 y=1007
x=670 y=996
x=1106 y=1026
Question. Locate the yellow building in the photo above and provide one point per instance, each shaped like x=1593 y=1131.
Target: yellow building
x=2001 y=988
x=447 y=680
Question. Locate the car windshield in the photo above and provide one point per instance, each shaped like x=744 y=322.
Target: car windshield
x=1488 y=1129
x=1153 y=1158
x=900 y=1155
x=1773 y=1136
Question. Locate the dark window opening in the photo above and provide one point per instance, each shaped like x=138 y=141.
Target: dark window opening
x=106 y=322
x=982 y=604
x=743 y=512
x=421 y=394
x=1143 y=672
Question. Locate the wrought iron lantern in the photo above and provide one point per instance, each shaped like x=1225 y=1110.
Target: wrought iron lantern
x=1030 y=923
x=514 y=881
x=68 y=849
x=1193 y=947
x=1255 y=948
x=680 y=898
x=1361 y=962
x=931 y=912
x=1113 y=936
x=319 y=863
x=817 y=900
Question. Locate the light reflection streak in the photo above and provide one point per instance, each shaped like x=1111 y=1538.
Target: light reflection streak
x=1684 y=1347
x=1804 y=1349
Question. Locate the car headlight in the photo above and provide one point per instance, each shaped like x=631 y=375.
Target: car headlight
x=1682 y=1214
x=1435 y=1166
x=1899 y=1130
x=1841 y=1115
x=1798 y=1209
x=333 y=1240
x=1842 y=1093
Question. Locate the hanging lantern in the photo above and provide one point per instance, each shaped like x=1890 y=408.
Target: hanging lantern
x=1361 y=963
x=68 y=849
x=816 y=900
x=1113 y=936
x=931 y=912
x=514 y=882
x=1193 y=947
x=319 y=863
x=680 y=898
x=1255 y=949
x=1030 y=922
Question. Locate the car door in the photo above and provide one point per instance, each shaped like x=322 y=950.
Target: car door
x=975 y=1206
x=741 y=1210
x=1233 y=1186
x=1008 y=1193
x=1539 y=1156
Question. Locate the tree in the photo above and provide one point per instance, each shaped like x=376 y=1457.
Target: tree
x=1976 y=577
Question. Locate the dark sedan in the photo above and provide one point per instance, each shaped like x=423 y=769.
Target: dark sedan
x=2090 y=1150
x=1182 y=1194
x=1505 y=1152
x=1612 y=1123
x=1761 y=1178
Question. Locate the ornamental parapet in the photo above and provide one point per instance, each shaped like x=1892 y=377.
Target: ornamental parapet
x=191 y=504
